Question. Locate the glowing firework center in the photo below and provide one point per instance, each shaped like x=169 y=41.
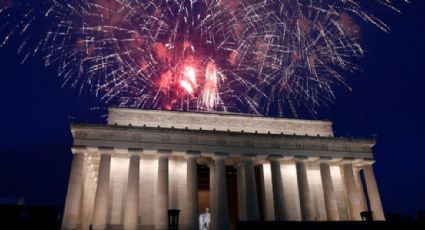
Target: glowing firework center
x=128 y=173
x=188 y=78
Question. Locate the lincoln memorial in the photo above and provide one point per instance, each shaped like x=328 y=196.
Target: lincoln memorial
x=128 y=173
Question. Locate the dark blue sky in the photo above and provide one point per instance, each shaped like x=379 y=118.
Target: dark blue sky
x=387 y=100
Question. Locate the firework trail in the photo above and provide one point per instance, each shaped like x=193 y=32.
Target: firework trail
x=226 y=55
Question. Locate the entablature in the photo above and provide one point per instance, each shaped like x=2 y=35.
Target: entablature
x=204 y=141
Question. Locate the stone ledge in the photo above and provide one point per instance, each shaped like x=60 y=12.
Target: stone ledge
x=218 y=122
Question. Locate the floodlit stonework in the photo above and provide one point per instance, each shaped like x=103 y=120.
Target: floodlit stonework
x=218 y=122
x=128 y=173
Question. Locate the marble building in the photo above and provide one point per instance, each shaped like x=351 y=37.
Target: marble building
x=128 y=173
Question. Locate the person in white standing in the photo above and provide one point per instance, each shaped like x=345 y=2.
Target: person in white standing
x=205 y=220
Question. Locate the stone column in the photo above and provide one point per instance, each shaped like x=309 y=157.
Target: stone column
x=100 y=210
x=373 y=193
x=162 y=191
x=131 y=211
x=353 y=196
x=89 y=191
x=192 y=190
x=212 y=194
x=222 y=217
x=71 y=217
x=277 y=184
x=250 y=190
x=241 y=192
x=304 y=190
x=359 y=185
x=328 y=190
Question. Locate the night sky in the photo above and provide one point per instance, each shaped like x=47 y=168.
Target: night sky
x=387 y=101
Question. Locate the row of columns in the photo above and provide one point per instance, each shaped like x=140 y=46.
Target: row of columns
x=247 y=190
x=353 y=190
x=247 y=194
x=99 y=220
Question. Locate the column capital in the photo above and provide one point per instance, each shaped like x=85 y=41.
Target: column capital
x=106 y=150
x=305 y=159
x=329 y=160
x=325 y=159
x=192 y=154
x=367 y=161
x=220 y=155
x=249 y=156
x=164 y=152
x=275 y=157
x=92 y=150
x=135 y=152
x=280 y=158
x=78 y=149
x=313 y=159
x=347 y=160
x=300 y=158
x=288 y=158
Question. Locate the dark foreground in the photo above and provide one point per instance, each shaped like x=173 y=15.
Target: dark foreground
x=340 y=225
x=28 y=217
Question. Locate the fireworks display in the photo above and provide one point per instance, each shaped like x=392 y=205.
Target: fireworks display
x=252 y=56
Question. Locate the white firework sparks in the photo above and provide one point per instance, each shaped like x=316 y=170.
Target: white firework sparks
x=238 y=55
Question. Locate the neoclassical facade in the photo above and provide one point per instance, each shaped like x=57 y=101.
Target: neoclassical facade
x=128 y=173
